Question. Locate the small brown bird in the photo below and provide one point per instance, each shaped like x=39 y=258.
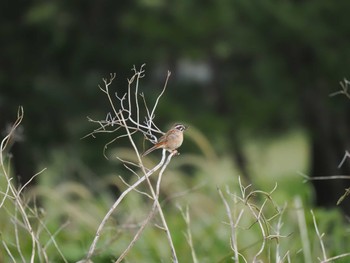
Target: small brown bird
x=170 y=141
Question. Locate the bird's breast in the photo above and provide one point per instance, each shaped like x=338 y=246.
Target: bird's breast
x=174 y=141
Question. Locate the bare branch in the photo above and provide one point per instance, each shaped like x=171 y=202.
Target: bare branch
x=188 y=234
x=232 y=226
x=22 y=216
x=150 y=117
x=127 y=122
x=346 y=156
x=115 y=205
x=344 y=91
x=332 y=177
x=320 y=237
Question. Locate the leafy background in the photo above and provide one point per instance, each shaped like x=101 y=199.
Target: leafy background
x=253 y=78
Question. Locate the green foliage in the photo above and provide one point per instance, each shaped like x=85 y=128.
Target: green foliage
x=69 y=213
x=263 y=57
x=272 y=63
x=263 y=54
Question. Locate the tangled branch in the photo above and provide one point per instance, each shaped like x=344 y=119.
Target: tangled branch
x=132 y=116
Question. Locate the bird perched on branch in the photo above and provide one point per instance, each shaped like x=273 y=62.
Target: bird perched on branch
x=171 y=140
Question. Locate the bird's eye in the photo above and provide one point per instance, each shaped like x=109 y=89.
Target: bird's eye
x=181 y=127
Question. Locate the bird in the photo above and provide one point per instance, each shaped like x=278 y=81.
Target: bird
x=170 y=141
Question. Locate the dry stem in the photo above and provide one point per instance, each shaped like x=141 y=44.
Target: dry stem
x=127 y=120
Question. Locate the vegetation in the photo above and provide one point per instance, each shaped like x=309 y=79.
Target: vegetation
x=256 y=83
x=212 y=216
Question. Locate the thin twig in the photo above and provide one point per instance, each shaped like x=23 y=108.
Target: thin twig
x=345 y=86
x=320 y=237
x=115 y=205
x=14 y=192
x=335 y=257
x=138 y=233
x=232 y=227
x=332 y=177
x=28 y=182
x=160 y=95
x=346 y=156
x=188 y=234
x=135 y=189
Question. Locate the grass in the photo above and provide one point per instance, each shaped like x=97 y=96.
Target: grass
x=281 y=160
x=210 y=210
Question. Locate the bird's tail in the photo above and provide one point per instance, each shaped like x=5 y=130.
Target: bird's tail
x=149 y=150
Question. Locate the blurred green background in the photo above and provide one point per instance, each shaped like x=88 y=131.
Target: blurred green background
x=251 y=78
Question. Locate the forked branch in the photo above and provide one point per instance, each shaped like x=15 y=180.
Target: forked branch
x=126 y=120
